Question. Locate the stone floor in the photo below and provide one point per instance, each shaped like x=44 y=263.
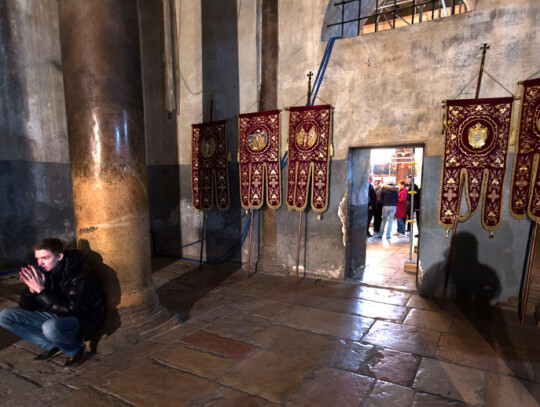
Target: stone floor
x=263 y=341
x=385 y=260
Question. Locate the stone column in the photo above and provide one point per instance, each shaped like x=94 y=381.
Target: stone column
x=269 y=55
x=104 y=106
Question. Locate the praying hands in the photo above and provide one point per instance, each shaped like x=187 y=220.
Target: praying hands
x=34 y=279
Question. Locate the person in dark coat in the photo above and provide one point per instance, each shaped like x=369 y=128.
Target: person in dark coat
x=377 y=213
x=372 y=202
x=61 y=306
x=413 y=198
x=389 y=197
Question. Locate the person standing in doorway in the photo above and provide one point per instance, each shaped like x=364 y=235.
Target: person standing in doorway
x=389 y=197
x=377 y=213
x=372 y=202
x=401 y=209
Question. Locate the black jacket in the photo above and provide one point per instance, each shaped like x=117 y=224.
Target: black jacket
x=389 y=196
x=70 y=291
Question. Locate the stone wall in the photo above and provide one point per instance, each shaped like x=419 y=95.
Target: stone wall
x=35 y=184
x=387 y=89
x=36 y=198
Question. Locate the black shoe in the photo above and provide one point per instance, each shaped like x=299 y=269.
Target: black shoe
x=77 y=359
x=48 y=355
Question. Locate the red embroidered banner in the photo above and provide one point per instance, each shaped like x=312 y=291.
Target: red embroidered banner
x=475 y=153
x=309 y=141
x=525 y=195
x=258 y=155
x=209 y=175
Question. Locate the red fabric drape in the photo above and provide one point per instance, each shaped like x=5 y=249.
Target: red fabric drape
x=209 y=175
x=525 y=192
x=476 y=147
x=258 y=158
x=309 y=142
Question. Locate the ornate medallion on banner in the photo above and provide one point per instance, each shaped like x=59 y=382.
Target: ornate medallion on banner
x=209 y=175
x=258 y=156
x=476 y=146
x=525 y=192
x=309 y=143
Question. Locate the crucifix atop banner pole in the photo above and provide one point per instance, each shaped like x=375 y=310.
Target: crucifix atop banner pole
x=309 y=75
x=474 y=163
x=484 y=49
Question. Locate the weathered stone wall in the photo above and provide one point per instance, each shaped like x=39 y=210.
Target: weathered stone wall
x=35 y=185
x=36 y=197
x=160 y=134
x=387 y=89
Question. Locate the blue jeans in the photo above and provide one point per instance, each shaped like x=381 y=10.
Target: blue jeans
x=43 y=329
x=401 y=225
x=388 y=213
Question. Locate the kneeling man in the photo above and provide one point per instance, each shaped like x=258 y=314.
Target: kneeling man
x=61 y=306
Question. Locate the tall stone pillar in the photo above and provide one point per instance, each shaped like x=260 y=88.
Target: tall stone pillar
x=104 y=107
x=269 y=55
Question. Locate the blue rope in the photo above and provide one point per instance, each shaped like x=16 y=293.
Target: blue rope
x=284 y=159
x=224 y=227
x=316 y=84
x=322 y=69
x=5 y=273
x=232 y=251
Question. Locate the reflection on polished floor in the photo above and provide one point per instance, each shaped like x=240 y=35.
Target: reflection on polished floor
x=265 y=341
x=385 y=261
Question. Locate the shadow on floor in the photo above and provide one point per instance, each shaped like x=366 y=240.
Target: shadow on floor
x=483 y=333
x=180 y=294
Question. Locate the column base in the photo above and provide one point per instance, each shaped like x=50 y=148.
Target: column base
x=130 y=325
x=269 y=264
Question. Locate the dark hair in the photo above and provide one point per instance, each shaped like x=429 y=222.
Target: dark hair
x=402 y=182
x=54 y=245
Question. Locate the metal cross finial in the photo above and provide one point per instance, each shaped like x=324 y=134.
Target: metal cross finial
x=309 y=75
x=484 y=48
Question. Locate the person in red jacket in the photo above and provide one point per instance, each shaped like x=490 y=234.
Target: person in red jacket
x=401 y=209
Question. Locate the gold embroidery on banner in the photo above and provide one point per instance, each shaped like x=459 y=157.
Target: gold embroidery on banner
x=257 y=141
x=478 y=135
x=306 y=139
x=208 y=147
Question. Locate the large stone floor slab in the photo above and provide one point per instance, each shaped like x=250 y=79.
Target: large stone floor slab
x=269 y=375
x=330 y=387
x=265 y=341
x=405 y=338
x=451 y=381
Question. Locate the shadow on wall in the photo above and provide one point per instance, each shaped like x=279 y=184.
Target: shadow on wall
x=106 y=276
x=471 y=281
x=483 y=335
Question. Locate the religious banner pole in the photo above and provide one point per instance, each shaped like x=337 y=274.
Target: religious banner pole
x=484 y=49
x=251 y=209
x=527 y=282
x=524 y=193
x=298 y=244
x=309 y=75
x=204 y=212
x=452 y=244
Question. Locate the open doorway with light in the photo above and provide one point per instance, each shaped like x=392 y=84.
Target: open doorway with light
x=384 y=215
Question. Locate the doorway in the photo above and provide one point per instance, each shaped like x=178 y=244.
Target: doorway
x=373 y=258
